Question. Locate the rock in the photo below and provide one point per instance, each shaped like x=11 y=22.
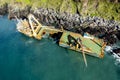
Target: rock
x=118 y=34
x=3 y=9
x=117 y=50
x=16 y=10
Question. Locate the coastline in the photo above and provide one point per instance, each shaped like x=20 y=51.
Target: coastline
x=108 y=30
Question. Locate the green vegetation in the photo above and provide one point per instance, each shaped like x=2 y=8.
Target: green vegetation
x=54 y=4
x=102 y=8
x=40 y=3
x=3 y=2
x=68 y=6
x=24 y=1
x=105 y=9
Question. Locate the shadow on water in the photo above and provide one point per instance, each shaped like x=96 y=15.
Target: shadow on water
x=23 y=58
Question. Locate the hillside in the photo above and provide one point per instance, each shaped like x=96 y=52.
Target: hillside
x=108 y=9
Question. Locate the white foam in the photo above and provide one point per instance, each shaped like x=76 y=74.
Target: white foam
x=117 y=59
x=108 y=48
x=29 y=42
x=117 y=62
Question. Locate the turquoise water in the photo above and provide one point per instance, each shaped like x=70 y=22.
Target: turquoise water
x=23 y=58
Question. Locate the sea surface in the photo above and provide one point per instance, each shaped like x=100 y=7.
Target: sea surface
x=24 y=58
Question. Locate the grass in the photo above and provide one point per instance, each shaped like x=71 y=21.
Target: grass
x=26 y=2
x=40 y=3
x=105 y=9
x=4 y=1
x=68 y=6
x=54 y=4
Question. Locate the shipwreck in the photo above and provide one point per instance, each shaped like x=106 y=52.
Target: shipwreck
x=85 y=43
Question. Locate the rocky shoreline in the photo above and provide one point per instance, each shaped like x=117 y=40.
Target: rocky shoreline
x=108 y=30
x=3 y=9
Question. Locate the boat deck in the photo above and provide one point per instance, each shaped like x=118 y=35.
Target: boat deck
x=93 y=46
